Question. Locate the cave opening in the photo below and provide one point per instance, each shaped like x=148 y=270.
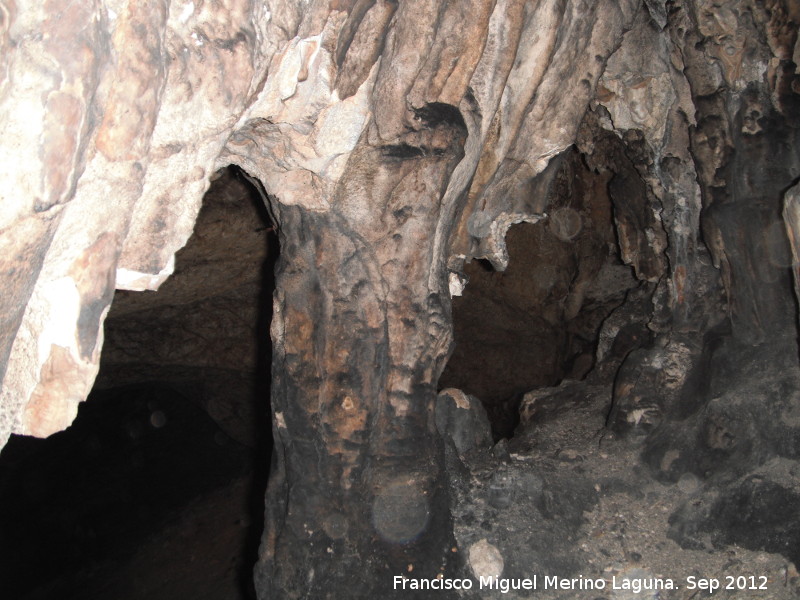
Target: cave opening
x=539 y=322
x=166 y=464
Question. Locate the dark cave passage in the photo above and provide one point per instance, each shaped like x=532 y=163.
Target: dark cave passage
x=539 y=322
x=157 y=489
x=117 y=484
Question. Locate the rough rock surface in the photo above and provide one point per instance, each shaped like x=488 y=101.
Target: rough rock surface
x=114 y=115
x=462 y=421
x=537 y=322
x=567 y=499
x=397 y=142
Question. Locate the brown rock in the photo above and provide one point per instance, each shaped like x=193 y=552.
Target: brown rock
x=396 y=143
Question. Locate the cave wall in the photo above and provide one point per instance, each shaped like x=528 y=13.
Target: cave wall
x=709 y=110
x=142 y=103
x=114 y=115
x=396 y=142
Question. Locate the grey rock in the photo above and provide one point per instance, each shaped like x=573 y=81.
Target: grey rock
x=461 y=419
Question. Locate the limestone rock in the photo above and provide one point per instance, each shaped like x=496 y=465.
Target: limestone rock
x=462 y=419
x=119 y=102
x=205 y=331
x=485 y=560
x=397 y=144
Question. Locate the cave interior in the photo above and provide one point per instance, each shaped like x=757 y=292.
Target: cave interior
x=576 y=363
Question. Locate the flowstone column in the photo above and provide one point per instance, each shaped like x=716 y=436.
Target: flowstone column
x=361 y=332
x=359 y=134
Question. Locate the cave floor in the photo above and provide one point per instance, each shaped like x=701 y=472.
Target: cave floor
x=567 y=499
x=563 y=498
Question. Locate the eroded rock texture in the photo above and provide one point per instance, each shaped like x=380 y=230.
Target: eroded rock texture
x=648 y=148
x=362 y=324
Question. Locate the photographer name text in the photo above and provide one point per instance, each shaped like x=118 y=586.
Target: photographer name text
x=552 y=582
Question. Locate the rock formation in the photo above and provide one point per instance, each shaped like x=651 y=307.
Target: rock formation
x=652 y=147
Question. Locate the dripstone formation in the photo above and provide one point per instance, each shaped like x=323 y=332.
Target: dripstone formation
x=646 y=156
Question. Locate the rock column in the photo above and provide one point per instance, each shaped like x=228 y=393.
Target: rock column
x=361 y=331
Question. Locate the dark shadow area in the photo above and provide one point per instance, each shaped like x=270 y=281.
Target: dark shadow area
x=90 y=497
x=538 y=322
x=157 y=489
x=263 y=441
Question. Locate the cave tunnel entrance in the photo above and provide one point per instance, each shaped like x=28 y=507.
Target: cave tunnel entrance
x=157 y=489
x=538 y=322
